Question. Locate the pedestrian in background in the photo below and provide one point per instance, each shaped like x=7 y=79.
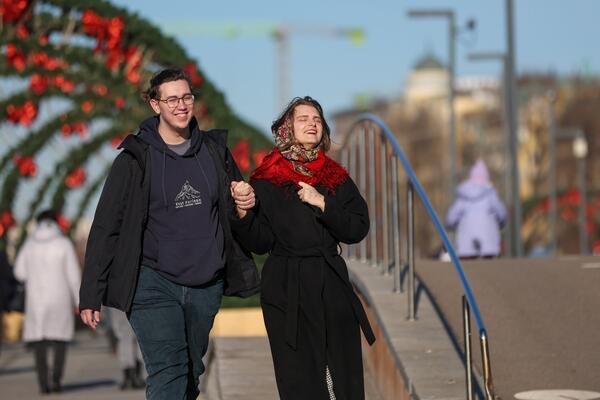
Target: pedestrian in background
x=7 y=290
x=47 y=264
x=128 y=350
x=477 y=215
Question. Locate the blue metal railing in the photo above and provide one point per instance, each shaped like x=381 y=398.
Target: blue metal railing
x=414 y=183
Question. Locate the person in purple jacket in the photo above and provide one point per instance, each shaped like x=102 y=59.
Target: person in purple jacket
x=477 y=215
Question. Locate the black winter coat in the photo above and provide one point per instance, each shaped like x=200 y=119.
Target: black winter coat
x=114 y=248
x=312 y=315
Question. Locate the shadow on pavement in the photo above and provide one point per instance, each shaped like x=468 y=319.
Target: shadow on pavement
x=14 y=371
x=71 y=387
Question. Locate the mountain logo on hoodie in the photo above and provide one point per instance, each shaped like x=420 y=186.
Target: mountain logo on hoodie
x=188 y=196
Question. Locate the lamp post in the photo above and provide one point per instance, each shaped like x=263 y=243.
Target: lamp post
x=580 y=150
x=449 y=15
x=512 y=126
x=500 y=56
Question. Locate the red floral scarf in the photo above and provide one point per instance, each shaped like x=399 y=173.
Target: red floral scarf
x=280 y=171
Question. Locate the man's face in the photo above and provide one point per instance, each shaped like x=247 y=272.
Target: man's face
x=177 y=117
x=308 y=127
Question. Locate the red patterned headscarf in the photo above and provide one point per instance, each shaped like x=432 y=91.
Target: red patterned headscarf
x=290 y=162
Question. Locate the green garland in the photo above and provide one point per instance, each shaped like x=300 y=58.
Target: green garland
x=87 y=197
x=87 y=68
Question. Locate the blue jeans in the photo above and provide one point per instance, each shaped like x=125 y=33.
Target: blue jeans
x=172 y=323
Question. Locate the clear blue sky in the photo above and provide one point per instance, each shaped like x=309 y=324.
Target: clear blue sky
x=551 y=35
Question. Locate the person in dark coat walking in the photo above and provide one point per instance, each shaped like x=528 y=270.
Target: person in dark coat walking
x=8 y=285
x=306 y=205
x=160 y=247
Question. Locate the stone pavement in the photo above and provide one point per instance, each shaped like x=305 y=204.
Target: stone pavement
x=239 y=368
x=92 y=372
x=242 y=369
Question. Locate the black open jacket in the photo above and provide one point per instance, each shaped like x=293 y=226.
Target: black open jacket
x=114 y=248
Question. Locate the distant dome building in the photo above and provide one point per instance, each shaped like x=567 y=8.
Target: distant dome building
x=428 y=80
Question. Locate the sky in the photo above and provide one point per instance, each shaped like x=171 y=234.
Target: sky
x=550 y=35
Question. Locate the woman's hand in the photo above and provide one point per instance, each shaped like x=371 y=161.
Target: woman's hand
x=243 y=195
x=309 y=194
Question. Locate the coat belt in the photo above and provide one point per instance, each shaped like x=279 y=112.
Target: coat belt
x=293 y=263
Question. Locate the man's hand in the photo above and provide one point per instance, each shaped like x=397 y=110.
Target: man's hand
x=309 y=194
x=243 y=195
x=90 y=317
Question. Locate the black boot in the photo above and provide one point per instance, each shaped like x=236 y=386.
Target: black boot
x=127 y=379
x=138 y=380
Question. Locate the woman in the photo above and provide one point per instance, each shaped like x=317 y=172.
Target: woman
x=477 y=214
x=306 y=205
x=48 y=265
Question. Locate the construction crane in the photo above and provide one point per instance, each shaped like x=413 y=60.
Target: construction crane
x=280 y=33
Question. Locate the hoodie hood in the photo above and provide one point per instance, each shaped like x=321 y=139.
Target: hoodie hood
x=149 y=134
x=479 y=173
x=45 y=231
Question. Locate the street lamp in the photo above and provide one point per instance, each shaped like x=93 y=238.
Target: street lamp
x=500 y=56
x=580 y=151
x=449 y=15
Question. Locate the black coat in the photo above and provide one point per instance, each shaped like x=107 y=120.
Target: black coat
x=311 y=312
x=114 y=248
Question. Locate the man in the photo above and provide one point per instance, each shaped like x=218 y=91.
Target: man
x=160 y=247
x=48 y=265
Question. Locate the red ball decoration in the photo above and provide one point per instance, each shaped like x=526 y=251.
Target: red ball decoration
x=87 y=106
x=63 y=223
x=38 y=84
x=241 y=155
x=13 y=10
x=119 y=102
x=192 y=72
x=259 y=155
x=25 y=165
x=76 y=178
x=100 y=89
x=15 y=57
x=6 y=219
x=24 y=115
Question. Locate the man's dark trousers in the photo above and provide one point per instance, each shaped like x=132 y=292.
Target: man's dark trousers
x=172 y=323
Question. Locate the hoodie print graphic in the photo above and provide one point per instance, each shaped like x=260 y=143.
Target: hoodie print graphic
x=188 y=196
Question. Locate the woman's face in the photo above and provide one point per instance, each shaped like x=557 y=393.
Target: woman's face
x=308 y=128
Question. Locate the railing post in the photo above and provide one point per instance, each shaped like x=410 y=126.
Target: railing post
x=467 y=346
x=344 y=160
x=487 y=368
x=410 y=250
x=384 y=211
x=395 y=224
x=352 y=172
x=372 y=198
x=363 y=182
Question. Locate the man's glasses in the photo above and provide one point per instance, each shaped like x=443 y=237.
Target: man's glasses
x=172 y=102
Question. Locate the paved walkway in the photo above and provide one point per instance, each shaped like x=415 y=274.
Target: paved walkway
x=242 y=369
x=92 y=372
x=541 y=315
x=425 y=354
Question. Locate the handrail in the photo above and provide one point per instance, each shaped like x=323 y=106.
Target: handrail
x=429 y=208
x=414 y=185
